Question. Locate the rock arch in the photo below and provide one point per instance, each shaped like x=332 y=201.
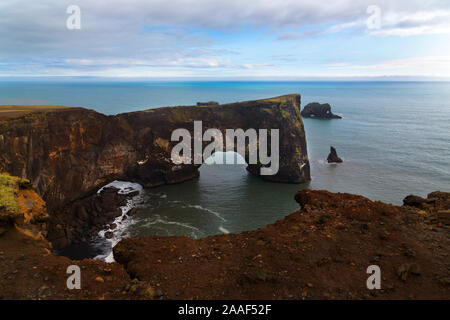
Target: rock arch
x=69 y=153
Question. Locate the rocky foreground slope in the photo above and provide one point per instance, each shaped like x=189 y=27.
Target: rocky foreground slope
x=321 y=251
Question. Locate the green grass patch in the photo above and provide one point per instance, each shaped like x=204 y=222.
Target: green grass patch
x=9 y=187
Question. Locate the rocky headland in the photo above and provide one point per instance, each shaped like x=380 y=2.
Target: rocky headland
x=69 y=153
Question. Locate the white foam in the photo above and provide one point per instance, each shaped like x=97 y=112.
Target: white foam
x=120 y=231
x=124 y=187
x=222 y=229
x=207 y=210
x=326 y=163
x=162 y=221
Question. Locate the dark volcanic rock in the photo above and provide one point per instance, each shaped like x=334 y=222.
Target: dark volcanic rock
x=70 y=153
x=333 y=157
x=436 y=206
x=109 y=235
x=414 y=201
x=320 y=111
x=82 y=219
x=131 y=212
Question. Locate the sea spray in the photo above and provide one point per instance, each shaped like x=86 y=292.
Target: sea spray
x=122 y=222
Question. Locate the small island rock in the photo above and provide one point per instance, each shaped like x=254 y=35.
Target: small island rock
x=318 y=110
x=333 y=157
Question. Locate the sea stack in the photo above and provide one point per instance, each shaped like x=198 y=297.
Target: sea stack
x=319 y=111
x=333 y=157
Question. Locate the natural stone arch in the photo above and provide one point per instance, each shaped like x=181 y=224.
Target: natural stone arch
x=281 y=113
x=71 y=152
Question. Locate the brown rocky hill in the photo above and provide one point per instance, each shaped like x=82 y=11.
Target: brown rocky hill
x=321 y=251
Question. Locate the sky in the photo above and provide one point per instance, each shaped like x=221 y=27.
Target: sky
x=226 y=39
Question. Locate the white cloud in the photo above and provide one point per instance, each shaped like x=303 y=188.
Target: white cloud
x=423 y=66
x=143 y=36
x=414 y=23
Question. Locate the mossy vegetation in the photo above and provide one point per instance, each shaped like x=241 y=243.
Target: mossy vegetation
x=9 y=188
x=8 y=112
x=27 y=118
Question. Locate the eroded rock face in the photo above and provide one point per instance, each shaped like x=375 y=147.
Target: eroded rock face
x=436 y=207
x=318 y=110
x=71 y=152
x=82 y=219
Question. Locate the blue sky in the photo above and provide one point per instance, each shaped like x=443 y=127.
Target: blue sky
x=254 y=39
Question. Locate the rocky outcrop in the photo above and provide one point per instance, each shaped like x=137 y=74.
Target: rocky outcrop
x=333 y=157
x=70 y=153
x=21 y=208
x=299 y=256
x=436 y=207
x=82 y=219
x=318 y=111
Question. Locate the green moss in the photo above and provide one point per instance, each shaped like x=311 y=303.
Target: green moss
x=268 y=110
x=181 y=114
x=28 y=118
x=35 y=116
x=9 y=187
x=285 y=113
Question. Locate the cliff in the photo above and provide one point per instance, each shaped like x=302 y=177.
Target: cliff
x=68 y=153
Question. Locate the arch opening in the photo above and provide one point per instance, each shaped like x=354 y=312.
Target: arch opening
x=227 y=158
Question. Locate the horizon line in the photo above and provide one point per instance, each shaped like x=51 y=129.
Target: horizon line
x=397 y=78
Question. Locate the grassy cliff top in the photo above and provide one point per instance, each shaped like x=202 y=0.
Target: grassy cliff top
x=9 y=187
x=10 y=111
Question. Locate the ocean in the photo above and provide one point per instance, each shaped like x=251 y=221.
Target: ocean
x=394 y=139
